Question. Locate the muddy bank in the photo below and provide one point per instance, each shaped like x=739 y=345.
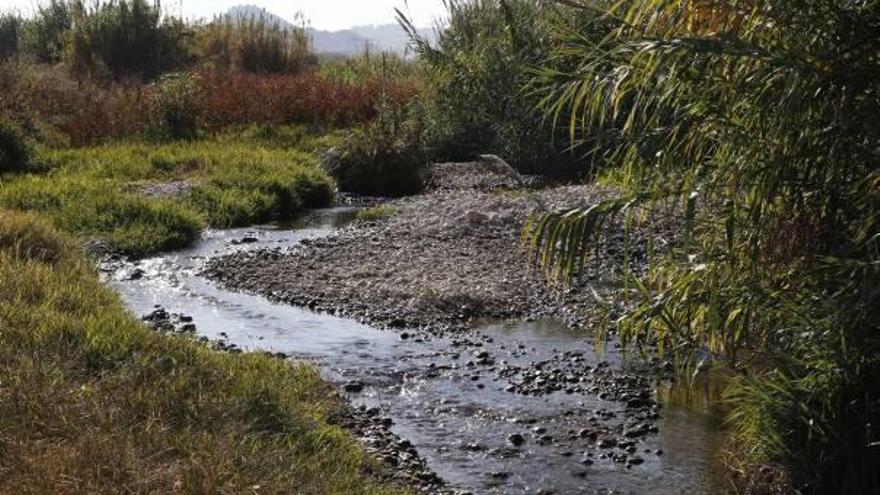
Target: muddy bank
x=443 y=260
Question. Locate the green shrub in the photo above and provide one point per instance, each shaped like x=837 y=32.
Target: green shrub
x=763 y=124
x=478 y=100
x=382 y=158
x=130 y=38
x=256 y=44
x=176 y=106
x=10 y=32
x=44 y=37
x=14 y=152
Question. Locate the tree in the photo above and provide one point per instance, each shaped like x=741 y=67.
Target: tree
x=762 y=121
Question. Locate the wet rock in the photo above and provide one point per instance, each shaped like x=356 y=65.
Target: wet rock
x=516 y=439
x=476 y=218
x=246 y=240
x=474 y=447
x=607 y=443
x=353 y=387
x=636 y=432
x=586 y=433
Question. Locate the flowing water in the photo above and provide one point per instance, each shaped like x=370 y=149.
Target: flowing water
x=459 y=419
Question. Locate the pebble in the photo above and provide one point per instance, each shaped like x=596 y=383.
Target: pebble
x=353 y=387
x=516 y=439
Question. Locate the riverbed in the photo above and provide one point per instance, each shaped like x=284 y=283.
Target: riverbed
x=468 y=403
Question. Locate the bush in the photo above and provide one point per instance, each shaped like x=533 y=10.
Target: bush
x=256 y=44
x=777 y=270
x=10 y=32
x=477 y=100
x=383 y=158
x=176 y=106
x=44 y=38
x=14 y=153
x=238 y=98
x=128 y=38
x=59 y=110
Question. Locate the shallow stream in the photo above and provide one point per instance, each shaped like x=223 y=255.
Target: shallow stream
x=458 y=416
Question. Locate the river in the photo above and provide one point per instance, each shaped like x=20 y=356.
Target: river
x=459 y=417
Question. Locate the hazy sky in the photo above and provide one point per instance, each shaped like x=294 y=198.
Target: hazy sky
x=323 y=14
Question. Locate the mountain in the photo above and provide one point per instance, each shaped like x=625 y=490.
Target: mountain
x=347 y=42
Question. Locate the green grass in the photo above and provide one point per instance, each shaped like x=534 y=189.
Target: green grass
x=376 y=213
x=238 y=178
x=92 y=401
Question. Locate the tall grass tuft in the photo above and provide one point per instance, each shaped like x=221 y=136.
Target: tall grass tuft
x=477 y=100
x=255 y=44
x=125 y=39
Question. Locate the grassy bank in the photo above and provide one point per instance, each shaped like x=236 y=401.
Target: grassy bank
x=93 y=401
x=114 y=192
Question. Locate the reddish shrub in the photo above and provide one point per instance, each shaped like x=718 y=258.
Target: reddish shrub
x=242 y=98
x=86 y=112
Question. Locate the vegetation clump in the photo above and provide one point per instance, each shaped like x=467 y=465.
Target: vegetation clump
x=255 y=44
x=123 y=39
x=86 y=385
x=383 y=158
x=93 y=192
x=376 y=213
x=176 y=106
x=477 y=99
x=760 y=121
x=14 y=152
x=30 y=238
